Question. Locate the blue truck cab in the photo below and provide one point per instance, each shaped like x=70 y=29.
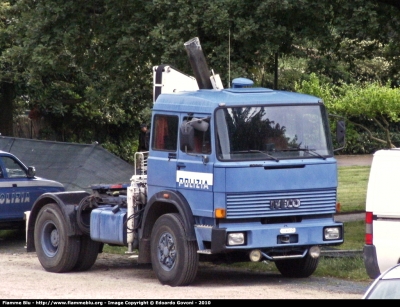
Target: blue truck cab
x=262 y=168
x=238 y=174
x=251 y=169
x=19 y=189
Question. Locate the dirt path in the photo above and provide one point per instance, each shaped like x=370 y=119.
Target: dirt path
x=120 y=277
x=354 y=160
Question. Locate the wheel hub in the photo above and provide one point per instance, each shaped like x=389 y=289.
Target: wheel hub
x=50 y=239
x=167 y=252
x=54 y=238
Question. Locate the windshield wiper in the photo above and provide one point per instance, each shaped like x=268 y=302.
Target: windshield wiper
x=256 y=151
x=307 y=150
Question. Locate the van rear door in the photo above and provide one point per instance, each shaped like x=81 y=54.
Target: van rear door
x=383 y=203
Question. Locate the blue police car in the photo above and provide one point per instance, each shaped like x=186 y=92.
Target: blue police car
x=19 y=189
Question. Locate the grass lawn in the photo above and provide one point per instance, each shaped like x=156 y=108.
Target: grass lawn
x=352 y=187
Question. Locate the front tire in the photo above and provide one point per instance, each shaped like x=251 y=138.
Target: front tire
x=174 y=258
x=56 y=251
x=298 y=268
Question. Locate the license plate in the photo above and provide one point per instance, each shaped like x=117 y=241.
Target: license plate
x=288 y=230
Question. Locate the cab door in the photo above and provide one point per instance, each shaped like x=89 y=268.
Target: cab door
x=195 y=165
x=161 y=163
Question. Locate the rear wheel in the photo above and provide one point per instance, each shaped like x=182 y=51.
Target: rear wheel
x=56 y=251
x=298 y=268
x=88 y=253
x=173 y=257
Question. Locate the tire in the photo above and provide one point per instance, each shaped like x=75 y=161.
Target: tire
x=89 y=250
x=57 y=252
x=174 y=259
x=298 y=268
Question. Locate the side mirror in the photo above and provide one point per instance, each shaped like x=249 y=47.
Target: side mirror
x=199 y=124
x=340 y=132
x=31 y=172
x=186 y=136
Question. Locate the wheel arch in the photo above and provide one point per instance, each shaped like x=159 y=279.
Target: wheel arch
x=158 y=205
x=66 y=201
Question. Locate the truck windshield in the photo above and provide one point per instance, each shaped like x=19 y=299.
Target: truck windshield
x=273 y=132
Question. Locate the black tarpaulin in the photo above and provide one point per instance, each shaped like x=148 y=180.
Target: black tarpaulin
x=77 y=166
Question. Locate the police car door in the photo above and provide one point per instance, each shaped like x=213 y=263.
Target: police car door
x=16 y=193
x=194 y=174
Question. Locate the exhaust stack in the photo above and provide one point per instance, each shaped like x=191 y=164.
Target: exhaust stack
x=198 y=63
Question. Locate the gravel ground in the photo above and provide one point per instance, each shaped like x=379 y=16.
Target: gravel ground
x=120 y=277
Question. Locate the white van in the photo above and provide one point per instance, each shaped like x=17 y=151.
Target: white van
x=382 y=218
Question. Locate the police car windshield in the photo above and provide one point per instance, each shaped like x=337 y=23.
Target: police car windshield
x=11 y=168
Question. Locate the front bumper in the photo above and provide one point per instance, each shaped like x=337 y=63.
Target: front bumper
x=267 y=237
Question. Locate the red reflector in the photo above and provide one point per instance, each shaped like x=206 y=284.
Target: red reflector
x=368 y=217
x=368 y=228
x=368 y=239
x=116 y=186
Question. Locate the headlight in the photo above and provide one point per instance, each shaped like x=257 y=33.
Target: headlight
x=236 y=238
x=255 y=255
x=332 y=233
x=314 y=251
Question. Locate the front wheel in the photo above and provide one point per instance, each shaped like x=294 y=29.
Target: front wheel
x=173 y=257
x=298 y=268
x=57 y=252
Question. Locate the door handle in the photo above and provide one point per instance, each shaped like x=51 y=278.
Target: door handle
x=180 y=165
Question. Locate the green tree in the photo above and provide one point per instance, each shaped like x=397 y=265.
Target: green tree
x=85 y=64
x=361 y=103
x=7 y=86
x=88 y=64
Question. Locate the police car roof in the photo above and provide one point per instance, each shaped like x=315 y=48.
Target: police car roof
x=207 y=100
x=5 y=153
x=9 y=154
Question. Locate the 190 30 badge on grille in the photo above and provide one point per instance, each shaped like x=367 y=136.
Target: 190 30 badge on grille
x=291 y=203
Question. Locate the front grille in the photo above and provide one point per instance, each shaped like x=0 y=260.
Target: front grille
x=245 y=205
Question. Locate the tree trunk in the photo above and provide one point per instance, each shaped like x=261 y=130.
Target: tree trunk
x=6 y=108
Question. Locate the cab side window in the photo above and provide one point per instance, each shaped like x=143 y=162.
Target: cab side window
x=202 y=141
x=12 y=168
x=165 y=132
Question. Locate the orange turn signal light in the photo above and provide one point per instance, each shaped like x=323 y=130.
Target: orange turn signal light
x=338 y=207
x=220 y=213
